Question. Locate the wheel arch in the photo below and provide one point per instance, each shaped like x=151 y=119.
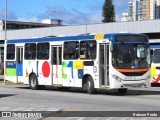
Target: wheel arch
x=31 y=75
x=84 y=79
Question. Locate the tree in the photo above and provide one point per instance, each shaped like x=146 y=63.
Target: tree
x=108 y=13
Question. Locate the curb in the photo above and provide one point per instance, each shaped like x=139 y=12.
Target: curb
x=9 y=83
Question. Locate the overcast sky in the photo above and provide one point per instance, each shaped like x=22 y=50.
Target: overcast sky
x=70 y=11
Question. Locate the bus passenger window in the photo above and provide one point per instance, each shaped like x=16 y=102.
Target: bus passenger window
x=30 y=51
x=71 y=50
x=43 y=51
x=88 y=49
x=11 y=51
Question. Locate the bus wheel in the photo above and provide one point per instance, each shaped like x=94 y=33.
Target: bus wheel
x=122 y=91
x=90 y=85
x=33 y=82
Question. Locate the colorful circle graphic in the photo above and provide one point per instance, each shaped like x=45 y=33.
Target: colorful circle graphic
x=46 y=69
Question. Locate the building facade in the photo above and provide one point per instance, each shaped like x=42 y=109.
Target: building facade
x=14 y=25
x=124 y=17
x=157 y=9
x=131 y=11
x=143 y=10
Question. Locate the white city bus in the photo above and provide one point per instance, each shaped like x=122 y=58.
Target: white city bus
x=114 y=61
x=155 y=65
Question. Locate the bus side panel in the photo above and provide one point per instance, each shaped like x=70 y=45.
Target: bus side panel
x=155 y=73
x=67 y=73
x=20 y=69
x=20 y=72
x=28 y=69
x=35 y=67
x=73 y=72
x=90 y=68
x=78 y=67
x=96 y=75
x=155 y=66
x=11 y=73
x=44 y=72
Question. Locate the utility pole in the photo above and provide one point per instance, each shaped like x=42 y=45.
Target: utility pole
x=5 y=38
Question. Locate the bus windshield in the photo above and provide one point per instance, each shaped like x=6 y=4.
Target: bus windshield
x=131 y=56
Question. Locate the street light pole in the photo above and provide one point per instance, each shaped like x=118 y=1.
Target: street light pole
x=5 y=19
x=5 y=38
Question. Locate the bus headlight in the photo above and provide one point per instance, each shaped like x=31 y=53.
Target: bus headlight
x=148 y=77
x=118 y=79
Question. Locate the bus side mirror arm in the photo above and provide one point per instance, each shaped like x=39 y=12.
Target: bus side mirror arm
x=111 y=48
x=111 y=45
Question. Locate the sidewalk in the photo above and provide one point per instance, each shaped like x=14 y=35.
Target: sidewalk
x=1 y=79
x=7 y=82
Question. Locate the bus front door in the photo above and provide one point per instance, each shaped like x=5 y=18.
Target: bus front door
x=19 y=64
x=104 y=65
x=56 y=61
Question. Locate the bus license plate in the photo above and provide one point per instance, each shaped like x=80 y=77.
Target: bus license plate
x=134 y=85
x=130 y=78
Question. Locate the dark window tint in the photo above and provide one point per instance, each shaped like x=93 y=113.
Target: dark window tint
x=20 y=55
x=30 y=51
x=60 y=55
x=11 y=51
x=156 y=56
x=54 y=53
x=43 y=51
x=88 y=50
x=57 y=55
x=131 y=38
x=71 y=50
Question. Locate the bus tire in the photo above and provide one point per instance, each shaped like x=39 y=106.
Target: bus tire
x=33 y=82
x=90 y=85
x=122 y=91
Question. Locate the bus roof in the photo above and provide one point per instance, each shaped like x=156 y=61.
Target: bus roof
x=67 y=38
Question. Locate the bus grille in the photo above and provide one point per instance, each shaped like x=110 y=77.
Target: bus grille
x=133 y=73
x=134 y=85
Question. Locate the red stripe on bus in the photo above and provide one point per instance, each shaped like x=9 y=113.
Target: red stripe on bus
x=133 y=70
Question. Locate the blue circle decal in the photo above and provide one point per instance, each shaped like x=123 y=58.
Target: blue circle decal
x=94 y=69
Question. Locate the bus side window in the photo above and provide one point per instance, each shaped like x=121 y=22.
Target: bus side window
x=10 y=52
x=30 y=51
x=43 y=51
x=88 y=49
x=71 y=50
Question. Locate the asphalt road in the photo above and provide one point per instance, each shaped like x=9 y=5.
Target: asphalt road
x=21 y=98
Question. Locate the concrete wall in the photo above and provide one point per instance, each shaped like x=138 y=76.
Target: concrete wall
x=149 y=26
